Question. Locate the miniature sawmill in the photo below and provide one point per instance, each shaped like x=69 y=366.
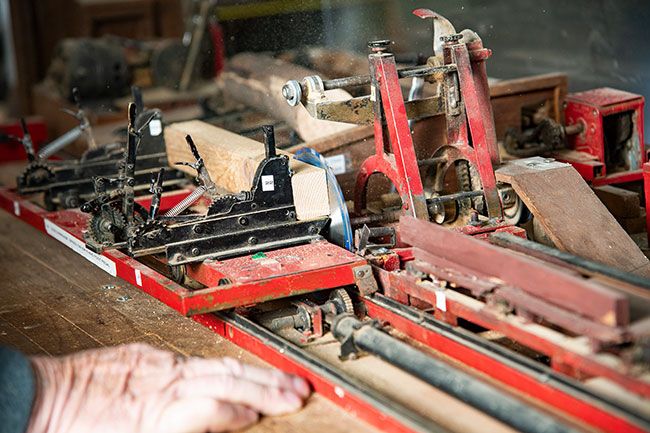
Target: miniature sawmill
x=432 y=249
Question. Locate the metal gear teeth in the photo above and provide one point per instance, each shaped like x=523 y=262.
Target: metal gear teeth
x=33 y=168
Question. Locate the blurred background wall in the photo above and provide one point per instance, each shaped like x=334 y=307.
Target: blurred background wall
x=597 y=42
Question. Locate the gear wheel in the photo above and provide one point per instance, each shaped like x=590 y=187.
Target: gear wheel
x=108 y=226
x=222 y=204
x=36 y=174
x=342 y=300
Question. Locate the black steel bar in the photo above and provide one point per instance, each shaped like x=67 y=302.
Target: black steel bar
x=269 y=141
x=362 y=80
x=458 y=384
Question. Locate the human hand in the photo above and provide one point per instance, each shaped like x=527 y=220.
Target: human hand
x=137 y=388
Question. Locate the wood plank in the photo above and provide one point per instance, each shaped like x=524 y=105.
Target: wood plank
x=256 y=80
x=232 y=160
x=554 y=284
x=571 y=214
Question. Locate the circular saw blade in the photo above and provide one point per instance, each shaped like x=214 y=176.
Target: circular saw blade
x=340 y=230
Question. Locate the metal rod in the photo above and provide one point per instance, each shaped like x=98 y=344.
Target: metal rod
x=362 y=80
x=269 y=141
x=487 y=398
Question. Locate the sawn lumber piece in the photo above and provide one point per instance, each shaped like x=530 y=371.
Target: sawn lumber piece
x=256 y=80
x=571 y=214
x=555 y=285
x=232 y=159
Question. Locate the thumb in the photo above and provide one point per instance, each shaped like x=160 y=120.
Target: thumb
x=199 y=415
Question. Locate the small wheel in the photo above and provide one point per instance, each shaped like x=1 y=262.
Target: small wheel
x=342 y=301
x=69 y=199
x=178 y=273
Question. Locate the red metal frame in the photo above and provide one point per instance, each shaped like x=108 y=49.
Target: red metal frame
x=589 y=108
x=400 y=166
x=283 y=273
x=13 y=150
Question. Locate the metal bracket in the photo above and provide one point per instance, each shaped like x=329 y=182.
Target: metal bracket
x=365 y=280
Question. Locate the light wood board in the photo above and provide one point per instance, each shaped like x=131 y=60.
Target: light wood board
x=232 y=160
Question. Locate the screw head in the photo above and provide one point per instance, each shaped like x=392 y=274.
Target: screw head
x=252 y=240
x=243 y=221
x=197 y=228
x=195 y=251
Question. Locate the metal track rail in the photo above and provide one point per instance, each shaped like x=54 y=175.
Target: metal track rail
x=601 y=410
x=345 y=383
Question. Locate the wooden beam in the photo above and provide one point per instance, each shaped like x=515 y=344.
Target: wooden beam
x=256 y=80
x=546 y=281
x=232 y=159
x=571 y=214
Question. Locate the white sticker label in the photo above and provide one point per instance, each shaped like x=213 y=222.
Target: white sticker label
x=79 y=247
x=17 y=208
x=138 y=277
x=441 y=300
x=155 y=127
x=268 y=183
x=337 y=163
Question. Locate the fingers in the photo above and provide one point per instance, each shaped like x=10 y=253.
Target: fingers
x=268 y=400
x=197 y=367
x=199 y=415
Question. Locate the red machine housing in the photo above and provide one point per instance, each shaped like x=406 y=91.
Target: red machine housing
x=12 y=150
x=603 y=113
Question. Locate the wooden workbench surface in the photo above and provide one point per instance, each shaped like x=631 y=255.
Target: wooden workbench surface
x=54 y=302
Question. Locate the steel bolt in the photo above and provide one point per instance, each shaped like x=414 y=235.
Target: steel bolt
x=253 y=206
x=197 y=228
x=123 y=298
x=243 y=221
x=195 y=251
x=451 y=38
x=312 y=230
x=252 y=240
